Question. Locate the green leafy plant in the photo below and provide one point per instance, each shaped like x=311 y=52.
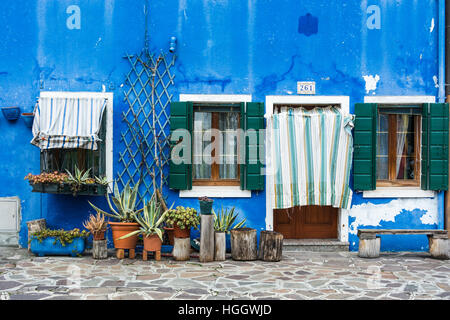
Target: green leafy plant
x=101 y=180
x=183 y=217
x=149 y=220
x=78 y=179
x=61 y=235
x=124 y=208
x=226 y=220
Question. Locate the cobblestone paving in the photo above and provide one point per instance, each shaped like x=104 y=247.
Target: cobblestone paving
x=300 y=275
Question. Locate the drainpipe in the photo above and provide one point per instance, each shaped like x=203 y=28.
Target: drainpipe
x=444 y=35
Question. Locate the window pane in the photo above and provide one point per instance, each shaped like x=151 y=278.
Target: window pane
x=202 y=122
x=405 y=147
x=382 y=147
x=228 y=123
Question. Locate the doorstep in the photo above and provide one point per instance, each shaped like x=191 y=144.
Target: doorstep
x=317 y=245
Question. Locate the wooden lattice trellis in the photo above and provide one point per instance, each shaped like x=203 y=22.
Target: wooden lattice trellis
x=145 y=156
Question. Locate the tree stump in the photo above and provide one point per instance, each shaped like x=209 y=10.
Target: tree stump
x=439 y=246
x=35 y=226
x=369 y=247
x=181 y=249
x=206 y=238
x=270 y=246
x=243 y=244
x=99 y=249
x=219 y=246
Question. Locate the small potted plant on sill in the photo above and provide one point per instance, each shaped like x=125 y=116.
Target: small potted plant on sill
x=124 y=212
x=149 y=221
x=183 y=219
x=58 y=242
x=96 y=226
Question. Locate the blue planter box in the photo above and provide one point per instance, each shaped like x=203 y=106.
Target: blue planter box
x=48 y=247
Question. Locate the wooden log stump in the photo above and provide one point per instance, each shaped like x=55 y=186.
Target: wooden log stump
x=181 y=249
x=219 y=246
x=369 y=247
x=439 y=246
x=243 y=244
x=206 y=238
x=270 y=246
x=35 y=226
x=99 y=249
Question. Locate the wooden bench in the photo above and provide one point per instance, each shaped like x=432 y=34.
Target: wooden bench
x=369 y=241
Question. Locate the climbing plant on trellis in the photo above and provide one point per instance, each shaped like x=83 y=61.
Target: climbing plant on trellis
x=146 y=152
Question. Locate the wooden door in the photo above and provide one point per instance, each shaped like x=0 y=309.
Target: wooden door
x=307 y=222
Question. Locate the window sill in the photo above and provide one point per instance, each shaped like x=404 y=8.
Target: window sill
x=215 y=192
x=399 y=192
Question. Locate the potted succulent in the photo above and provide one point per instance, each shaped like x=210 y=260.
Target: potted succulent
x=224 y=222
x=96 y=226
x=149 y=221
x=124 y=210
x=58 y=242
x=205 y=205
x=182 y=219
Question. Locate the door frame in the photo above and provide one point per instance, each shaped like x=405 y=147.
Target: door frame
x=344 y=103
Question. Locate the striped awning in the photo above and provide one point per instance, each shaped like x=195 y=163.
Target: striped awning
x=311 y=154
x=61 y=122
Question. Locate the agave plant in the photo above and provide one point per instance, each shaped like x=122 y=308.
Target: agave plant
x=149 y=220
x=124 y=202
x=78 y=179
x=225 y=220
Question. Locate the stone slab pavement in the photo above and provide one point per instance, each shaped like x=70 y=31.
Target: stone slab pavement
x=299 y=276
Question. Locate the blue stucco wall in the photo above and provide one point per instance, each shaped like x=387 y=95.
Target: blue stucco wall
x=223 y=47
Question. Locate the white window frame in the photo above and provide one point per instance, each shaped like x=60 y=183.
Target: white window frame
x=344 y=103
x=399 y=192
x=109 y=122
x=215 y=191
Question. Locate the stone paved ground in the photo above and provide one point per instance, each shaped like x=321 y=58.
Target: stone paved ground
x=300 y=275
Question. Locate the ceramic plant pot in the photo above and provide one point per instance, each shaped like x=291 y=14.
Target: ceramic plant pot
x=181 y=233
x=152 y=243
x=169 y=234
x=120 y=229
x=28 y=118
x=99 y=235
x=206 y=207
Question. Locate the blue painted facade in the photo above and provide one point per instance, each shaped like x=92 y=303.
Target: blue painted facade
x=223 y=47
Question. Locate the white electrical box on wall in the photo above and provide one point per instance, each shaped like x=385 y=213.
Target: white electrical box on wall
x=9 y=221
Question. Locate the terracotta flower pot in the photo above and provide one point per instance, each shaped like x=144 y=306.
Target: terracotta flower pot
x=181 y=233
x=152 y=243
x=120 y=229
x=99 y=235
x=169 y=234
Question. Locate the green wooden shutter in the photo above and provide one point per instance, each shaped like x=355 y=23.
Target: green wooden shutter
x=434 y=175
x=252 y=117
x=180 y=175
x=364 y=143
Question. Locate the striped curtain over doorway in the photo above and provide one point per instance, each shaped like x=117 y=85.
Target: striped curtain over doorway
x=311 y=157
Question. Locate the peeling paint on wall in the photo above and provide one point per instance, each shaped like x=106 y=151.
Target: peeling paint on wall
x=369 y=214
x=432 y=25
x=371 y=82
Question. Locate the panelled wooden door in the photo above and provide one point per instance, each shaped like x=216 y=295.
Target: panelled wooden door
x=307 y=222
